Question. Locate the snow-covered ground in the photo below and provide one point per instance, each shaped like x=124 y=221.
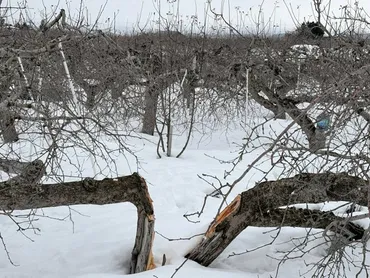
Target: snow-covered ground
x=96 y=241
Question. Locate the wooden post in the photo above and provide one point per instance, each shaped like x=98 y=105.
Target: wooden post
x=25 y=78
x=246 y=93
x=69 y=78
x=169 y=139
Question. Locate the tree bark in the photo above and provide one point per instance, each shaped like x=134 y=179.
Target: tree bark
x=316 y=139
x=11 y=166
x=7 y=119
x=267 y=104
x=18 y=196
x=90 y=91
x=279 y=104
x=257 y=85
x=258 y=207
x=150 y=112
x=7 y=126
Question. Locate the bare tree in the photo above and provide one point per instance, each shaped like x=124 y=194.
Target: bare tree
x=303 y=83
x=62 y=87
x=43 y=106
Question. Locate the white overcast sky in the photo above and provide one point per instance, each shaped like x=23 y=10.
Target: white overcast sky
x=133 y=13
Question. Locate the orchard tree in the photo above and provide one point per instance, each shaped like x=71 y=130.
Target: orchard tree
x=62 y=87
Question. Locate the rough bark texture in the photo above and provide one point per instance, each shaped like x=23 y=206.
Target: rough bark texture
x=150 y=113
x=18 y=195
x=91 y=92
x=267 y=104
x=7 y=126
x=306 y=218
x=279 y=103
x=301 y=118
x=14 y=166
x=189 y=87
x=30 y=176
x=258 y=207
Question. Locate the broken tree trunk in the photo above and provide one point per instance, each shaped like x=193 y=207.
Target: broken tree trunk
x=259 y=207
x=16 y=195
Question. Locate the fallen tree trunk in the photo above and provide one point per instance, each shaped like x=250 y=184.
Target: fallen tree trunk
x=15 y=195
x=259 y=207
x=307 y=218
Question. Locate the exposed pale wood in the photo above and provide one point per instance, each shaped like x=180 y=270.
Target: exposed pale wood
x=228 y=212
x=142 y=256
x=258 y=207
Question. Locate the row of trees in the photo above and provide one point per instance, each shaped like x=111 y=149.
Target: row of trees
x=62 y=86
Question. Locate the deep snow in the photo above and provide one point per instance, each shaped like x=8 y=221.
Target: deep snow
x=96 y=241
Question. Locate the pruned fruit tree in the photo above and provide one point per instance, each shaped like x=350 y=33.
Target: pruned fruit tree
x=68 y=91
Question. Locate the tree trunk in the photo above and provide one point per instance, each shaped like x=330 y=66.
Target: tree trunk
x=316 y=140
x=18 y=196
x=188 y=93
x=11 y=166
x=7 y=126
x=269 y=103
x=91 y=92
x=150 y=112
x=280 y=113
x=258 y=206
x=265 y=103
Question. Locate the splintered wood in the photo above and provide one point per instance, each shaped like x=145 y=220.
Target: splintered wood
x=151 y=264
x=142 y=255
x=229 y=210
